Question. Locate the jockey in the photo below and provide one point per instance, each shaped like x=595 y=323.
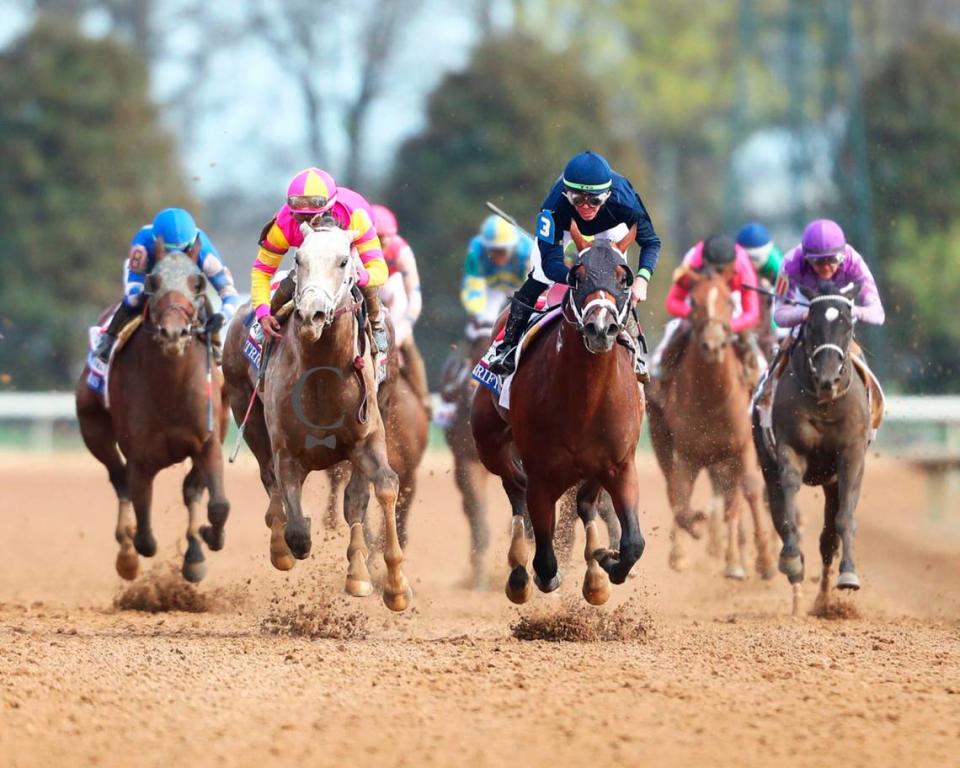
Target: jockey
x=173 y=229
x=766 y=258
x=312 y=192
x=729 y=259
x=823 y=254
x=498 y=259
x=400 y=261
x=601 y=203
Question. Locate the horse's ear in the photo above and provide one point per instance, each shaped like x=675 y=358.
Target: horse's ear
x=198 y=283
x=151 y=283
x=808 y=293
x=579 y=240
x=159 y=248
x=627 y=241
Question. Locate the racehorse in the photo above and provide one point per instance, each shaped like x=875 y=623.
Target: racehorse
x=575 y=416
x=820 y=428
x=161 y=399
x=318 y=407
x=699 y=420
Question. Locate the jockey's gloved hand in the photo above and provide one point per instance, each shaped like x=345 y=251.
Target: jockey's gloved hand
x=639 y=290
x=214 y=323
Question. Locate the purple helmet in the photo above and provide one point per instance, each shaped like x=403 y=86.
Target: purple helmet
x=823 y=239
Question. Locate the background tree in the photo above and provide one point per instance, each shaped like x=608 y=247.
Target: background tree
x=83 y=164
x=500 y=130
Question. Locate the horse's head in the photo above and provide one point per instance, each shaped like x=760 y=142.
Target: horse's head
x=827 y=333
x=711 y=312
x=600 y=294
x=324 y=275
x=176 y=289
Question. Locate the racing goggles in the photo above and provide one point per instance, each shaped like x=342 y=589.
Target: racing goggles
x=586 y=198
x=308 y=203
x=833 y=259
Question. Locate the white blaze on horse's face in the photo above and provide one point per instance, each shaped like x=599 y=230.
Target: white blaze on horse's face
x=325 y=272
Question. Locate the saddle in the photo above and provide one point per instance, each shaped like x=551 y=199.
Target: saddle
x=99 y=377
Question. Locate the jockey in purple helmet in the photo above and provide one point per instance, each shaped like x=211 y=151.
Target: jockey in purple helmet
x=823 y=254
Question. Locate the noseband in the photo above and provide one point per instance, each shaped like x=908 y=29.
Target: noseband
x=187 y=308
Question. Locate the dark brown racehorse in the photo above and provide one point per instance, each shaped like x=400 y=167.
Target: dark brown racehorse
x=319 y=407
x=159 y=411
x=575 y=416
x=820 y=433
x=699 y=420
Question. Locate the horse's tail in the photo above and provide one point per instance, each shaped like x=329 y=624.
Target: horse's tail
x=660 y=436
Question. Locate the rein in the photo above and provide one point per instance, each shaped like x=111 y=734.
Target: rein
x=620 y=314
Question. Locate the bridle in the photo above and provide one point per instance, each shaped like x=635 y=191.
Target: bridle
x=191 y=315
x=844 y=353
x=334 y=301
x=604 y=301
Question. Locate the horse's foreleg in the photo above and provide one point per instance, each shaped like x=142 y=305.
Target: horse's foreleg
x=624 y=489
x=336 y=499
x=679 y=489
x=470 y=477
x=829 y=542
x=715 y=513
x=371 y=460
x=218 y=508
x=849 y=481
x=194 y=563
x=752 y=488
x=356 y=497
x=783 y=496
x=296 y=534
x=541 y=504
x=732 y=511
x=596 y=582
x=141 y=493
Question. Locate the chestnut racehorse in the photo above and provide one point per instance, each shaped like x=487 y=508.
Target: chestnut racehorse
x=160 y=404
x=699 y=420
x=574 y=416
x=319 y=407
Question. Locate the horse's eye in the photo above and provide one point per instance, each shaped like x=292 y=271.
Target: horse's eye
x=343 y=263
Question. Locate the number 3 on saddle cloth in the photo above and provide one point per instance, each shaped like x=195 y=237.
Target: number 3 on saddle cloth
x=98 y=379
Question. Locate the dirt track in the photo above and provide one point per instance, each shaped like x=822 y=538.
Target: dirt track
x=724 y=675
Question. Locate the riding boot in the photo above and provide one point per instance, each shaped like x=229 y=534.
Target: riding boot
x=416 y=372
x=282 y=295
x=371 y=297
x=108 y=338
x=503 y=363
x=640 y=347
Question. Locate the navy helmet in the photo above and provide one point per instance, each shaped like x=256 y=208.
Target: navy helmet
x=588 y=172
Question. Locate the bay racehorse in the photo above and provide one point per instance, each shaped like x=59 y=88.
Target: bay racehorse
x=699 y=418
x=318 y=407
x=161 y=398
x=819 y=433
x=574 y=417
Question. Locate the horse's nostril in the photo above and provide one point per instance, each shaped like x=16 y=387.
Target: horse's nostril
x=318 y=316
x=298 y=314
x=612 y=330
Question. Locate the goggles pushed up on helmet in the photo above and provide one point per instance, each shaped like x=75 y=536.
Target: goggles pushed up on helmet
x=307 y=202
x=586 y=198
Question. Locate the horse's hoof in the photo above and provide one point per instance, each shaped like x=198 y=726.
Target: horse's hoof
x=550 y=586
x=298 y=541
x=358 y=587
x=767 y=571
x=848 y=580
x=519 y=588
x=128 y=564
x=735 y=572
x=398 y=601
x=282 y=560
x=145 y=543
x=194 y=572
x=791 y=566
x=596 y=588
x=214 y=538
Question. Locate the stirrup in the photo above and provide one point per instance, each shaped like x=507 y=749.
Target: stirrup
x=502 y=363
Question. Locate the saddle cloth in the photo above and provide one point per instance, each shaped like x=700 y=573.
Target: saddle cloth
x=98 y=378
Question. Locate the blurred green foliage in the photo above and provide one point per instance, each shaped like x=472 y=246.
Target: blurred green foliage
x=501 y=130
x=83 y=164
x=913 y=145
